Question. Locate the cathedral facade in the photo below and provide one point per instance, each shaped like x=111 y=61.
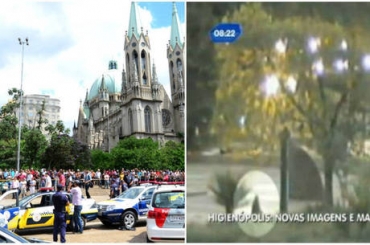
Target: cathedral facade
x=132 y=102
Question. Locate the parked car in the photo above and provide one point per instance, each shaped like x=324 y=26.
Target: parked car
x=128 y=208
x=36 y=211
x=166 y=215
x=7 y=236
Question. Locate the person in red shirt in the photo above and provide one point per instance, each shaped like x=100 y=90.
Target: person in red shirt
x=62 y=179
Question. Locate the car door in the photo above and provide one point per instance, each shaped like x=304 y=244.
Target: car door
x=144 y=201
x=38 y=212
x=9 y=210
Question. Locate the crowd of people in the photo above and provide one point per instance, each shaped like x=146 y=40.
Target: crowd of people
x=28 y=181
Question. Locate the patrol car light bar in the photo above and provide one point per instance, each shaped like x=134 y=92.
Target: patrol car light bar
x=162 y=182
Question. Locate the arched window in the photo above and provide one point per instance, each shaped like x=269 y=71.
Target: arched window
x=173 y=76
x=179 y=65
x=127 y=64
x=145 y=80
x=148 y=122
x=143 y=60
x=136 y=59
x=130 y=120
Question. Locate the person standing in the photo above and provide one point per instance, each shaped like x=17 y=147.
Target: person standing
x=48 y=182
x=15 y=186
x=88 y=179
x=106 y=180
x=129 y=179
x=60 y=201
x=77 y=203
x=61 y=178
x=23 y=187
x=98 y=176
x=33 y=186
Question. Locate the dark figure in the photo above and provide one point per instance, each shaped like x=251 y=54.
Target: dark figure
x=60 y=201
x=129 y=179
x=88 y=179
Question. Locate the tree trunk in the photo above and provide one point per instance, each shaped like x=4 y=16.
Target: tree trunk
x=229 y=209
x=328 y=194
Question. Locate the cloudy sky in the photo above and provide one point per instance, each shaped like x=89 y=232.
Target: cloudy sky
x=71 y=43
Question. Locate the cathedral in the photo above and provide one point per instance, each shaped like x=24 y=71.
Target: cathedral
x=133 y=102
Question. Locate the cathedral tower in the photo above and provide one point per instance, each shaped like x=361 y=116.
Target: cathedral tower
x=141 y=105
x=175 y=56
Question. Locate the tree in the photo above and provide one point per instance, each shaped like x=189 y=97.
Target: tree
x=8 y=129
x=60 y=152
x=322 y=110
x=35 y=142
x=201 y=67
x=136 y=153
x=133 y=153
x=81 y=155
x=173 y=156
x=101 y=159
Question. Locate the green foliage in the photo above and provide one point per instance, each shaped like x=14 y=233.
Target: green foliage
x=172 y=156
x=34 y=147
x=224 y=186
x=201 y=75
x=133 y=153
x=101 y=159
x=81 y=155
x=8 y=129
x=58 y=153
x=321 y=112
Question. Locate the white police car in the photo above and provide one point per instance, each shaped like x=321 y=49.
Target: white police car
x=166 y=215
x=127 y=208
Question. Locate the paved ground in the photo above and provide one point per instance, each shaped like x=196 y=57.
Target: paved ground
x=200 y=201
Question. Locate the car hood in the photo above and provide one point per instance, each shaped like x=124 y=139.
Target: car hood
x=121 y=202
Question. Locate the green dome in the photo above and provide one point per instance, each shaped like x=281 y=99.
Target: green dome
x=112 y=80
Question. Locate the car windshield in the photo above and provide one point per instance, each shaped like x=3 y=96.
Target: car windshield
x=171 y=199
x=25 y=200
x=131 y=193
x=9 y=200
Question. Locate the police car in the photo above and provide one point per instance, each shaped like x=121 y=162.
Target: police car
x=36 y=211
x=166 y=215
x=128 y=208
x=7 y=236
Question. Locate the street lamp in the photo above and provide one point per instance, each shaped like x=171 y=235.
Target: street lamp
x=21 y=42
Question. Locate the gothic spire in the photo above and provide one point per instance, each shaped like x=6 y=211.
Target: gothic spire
x=103 y=87
x=155 y=77
x=176 y=36
x=135 y=25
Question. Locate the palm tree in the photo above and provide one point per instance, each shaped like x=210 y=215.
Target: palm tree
x=224 y=188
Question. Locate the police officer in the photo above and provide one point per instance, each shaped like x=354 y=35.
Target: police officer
x=60 y=201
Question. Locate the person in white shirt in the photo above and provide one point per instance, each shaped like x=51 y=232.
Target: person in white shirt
x=15 y=186
x=98 y=176
x=77 y=203
x=23 y=187
x=33 y=185
x=48 y=183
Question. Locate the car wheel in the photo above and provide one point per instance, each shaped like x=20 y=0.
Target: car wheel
x=84 y=222
x=129 y=219
x=148 y=240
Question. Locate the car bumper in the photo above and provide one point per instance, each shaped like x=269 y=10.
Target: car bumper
x=157 y=234
x=110 y=217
